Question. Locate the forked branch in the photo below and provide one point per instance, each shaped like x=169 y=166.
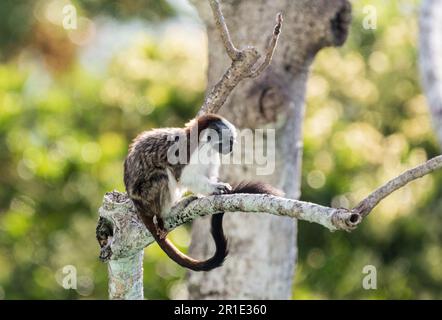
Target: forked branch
x=244 y=62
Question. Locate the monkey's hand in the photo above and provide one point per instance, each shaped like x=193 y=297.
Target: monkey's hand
x=221 y=188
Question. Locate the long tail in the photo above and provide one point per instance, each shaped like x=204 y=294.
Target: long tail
x=254 y=187
x=217 y=232
x=215 y=261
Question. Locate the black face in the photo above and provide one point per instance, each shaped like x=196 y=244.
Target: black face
x=221 y=137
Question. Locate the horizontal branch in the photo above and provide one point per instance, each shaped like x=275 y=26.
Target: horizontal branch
x=130 y=235
x=127 y=234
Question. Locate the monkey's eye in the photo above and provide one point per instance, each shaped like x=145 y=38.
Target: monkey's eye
x=209 y=138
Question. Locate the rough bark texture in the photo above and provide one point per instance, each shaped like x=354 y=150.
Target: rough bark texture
x=262 y=267
x=431 y=59
x=126 y=277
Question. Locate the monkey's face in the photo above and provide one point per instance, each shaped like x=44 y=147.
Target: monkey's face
x=221 y=136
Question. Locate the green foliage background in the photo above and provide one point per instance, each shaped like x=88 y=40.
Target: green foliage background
x=64 y=132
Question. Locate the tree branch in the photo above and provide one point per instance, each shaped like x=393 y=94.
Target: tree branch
x=270 y=48
x=243 y=62
x=129 y=235
x=220 y=22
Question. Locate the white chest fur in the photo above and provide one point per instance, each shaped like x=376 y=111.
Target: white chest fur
x=202 y=171
x=175 y=193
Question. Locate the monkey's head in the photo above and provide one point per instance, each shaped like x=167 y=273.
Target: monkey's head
x=216 y=131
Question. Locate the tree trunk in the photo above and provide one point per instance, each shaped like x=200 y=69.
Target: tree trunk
x=262 y=249
x=431 y=59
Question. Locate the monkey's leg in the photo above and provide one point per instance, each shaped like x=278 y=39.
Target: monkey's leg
x=155 y=192
x=149 y=223
x=155 y=225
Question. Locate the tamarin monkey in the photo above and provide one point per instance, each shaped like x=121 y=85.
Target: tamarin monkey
x=154 y=179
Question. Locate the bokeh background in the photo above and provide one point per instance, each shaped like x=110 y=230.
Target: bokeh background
x=71 y=101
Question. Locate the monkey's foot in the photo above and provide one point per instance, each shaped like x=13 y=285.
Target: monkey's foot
x=162 y=233
x=221 y=188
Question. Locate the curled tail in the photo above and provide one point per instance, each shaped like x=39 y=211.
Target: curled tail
x=183 y=260
x=217 y=232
